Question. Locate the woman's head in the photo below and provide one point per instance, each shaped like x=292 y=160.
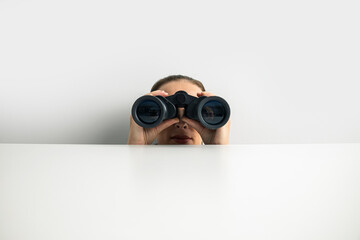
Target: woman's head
x=179 y=133
x=172 y=78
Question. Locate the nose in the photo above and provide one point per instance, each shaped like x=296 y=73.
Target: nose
x=181 y=124
x=180 y=112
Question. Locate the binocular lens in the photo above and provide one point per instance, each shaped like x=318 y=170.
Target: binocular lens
x=148 y=111
x=213 y=112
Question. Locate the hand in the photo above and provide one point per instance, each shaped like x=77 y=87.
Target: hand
x=142 y=136
x=210 y=136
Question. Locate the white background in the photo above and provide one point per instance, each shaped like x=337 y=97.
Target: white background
x=70 y=70
x=248 y=191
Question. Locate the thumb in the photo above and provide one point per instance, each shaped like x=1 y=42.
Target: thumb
x=166 y=124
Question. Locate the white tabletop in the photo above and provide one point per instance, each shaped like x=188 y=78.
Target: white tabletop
x=180 y=192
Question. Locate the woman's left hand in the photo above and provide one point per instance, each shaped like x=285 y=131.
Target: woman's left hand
x=210 y=136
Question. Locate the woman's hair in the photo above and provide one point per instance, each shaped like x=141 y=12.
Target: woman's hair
x=171 y=78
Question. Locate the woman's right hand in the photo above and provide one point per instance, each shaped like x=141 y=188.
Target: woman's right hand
x=143 y=136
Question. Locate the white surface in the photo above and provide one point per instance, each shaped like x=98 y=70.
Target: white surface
x=178 y=192
x=70 y=70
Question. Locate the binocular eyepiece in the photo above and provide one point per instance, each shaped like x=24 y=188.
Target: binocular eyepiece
x=149 y=111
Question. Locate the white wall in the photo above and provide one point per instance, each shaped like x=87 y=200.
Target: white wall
x=70 y=70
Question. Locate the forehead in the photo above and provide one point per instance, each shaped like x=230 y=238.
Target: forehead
x=184 y=85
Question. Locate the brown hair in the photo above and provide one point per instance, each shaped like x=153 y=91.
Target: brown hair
x=171 y=78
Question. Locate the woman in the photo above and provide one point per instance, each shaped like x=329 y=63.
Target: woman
x=181 y=130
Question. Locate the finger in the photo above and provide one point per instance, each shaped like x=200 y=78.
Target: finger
x=133 y=124
x=207 y=94
x=166 y=124
x=158 y=93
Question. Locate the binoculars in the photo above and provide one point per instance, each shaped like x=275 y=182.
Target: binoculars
x=149 y=111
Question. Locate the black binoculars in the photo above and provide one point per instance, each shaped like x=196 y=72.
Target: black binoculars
x=212 y=112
